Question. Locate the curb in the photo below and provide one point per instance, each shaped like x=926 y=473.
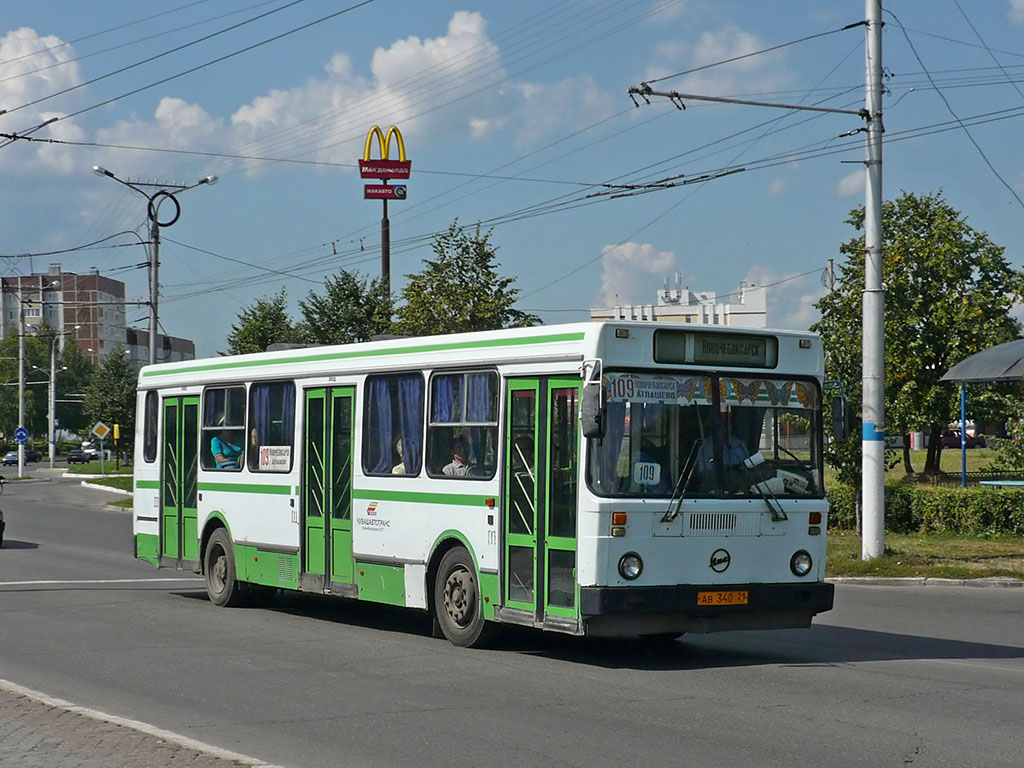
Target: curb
x=137 y=725
x=923 y=581
x=107 y=488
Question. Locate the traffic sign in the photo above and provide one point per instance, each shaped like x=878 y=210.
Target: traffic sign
x=101 y=430
x=21 y=434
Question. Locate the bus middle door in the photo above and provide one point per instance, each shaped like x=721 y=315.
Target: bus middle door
x=179 y=539
x=327 y=489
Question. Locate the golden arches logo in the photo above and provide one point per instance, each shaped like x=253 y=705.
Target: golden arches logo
x=384 y=142
x=385 y=168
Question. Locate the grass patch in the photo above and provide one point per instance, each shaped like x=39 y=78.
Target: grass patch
x=93 y=468
x=928 y=555
x=121 y=503
x=124 y=482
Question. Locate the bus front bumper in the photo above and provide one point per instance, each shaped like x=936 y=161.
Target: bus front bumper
x=619 y=611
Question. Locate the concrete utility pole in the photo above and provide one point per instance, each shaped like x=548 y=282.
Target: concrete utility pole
x=873 y=383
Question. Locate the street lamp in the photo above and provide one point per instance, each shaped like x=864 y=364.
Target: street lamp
x=163 y=192
x=21 y=369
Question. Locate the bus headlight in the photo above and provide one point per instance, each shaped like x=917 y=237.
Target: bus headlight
x=800 y=564
x=630 y=566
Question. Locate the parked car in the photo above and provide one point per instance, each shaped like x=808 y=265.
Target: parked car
x=77 y=456
x=951 y=439
x=31 y=454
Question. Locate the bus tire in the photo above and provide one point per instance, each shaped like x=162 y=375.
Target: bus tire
x=219 y=568
x=457 y=599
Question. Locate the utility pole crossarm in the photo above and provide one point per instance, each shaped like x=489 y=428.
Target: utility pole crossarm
x=644 y=90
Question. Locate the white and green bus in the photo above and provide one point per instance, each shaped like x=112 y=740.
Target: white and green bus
x=601 y=479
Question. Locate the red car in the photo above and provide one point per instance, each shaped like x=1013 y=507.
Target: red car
x=951 y=439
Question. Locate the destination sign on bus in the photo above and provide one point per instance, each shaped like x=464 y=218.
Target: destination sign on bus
x=741 y=350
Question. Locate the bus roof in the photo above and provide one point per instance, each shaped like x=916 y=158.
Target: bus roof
x=576 y=341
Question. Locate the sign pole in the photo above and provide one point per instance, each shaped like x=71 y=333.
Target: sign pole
x=385 y=249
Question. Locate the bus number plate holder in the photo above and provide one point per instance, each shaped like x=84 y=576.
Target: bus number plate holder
x=723 y=597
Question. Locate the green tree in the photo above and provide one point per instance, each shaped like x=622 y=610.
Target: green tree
x=350 y=309
x=460 y=290
x=949 y=291
x=265 y=322
x=110 y=397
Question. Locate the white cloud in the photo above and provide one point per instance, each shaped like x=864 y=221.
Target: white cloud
x=790 y=303
x=851 y=184
x=35 y=67
x=1017 y=11
x=415 y=83
x=632 y=273
x=765 y=72
x=777 y=187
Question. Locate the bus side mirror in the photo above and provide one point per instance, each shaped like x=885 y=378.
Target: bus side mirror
x=591 y=411
x=840 y=424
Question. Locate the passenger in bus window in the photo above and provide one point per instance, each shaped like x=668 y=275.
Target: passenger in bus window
x=399 y=468
x=457 y=467
x=225 y=449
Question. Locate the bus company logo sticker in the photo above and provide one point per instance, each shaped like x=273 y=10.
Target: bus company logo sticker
x=370 y=521
x=720 y=560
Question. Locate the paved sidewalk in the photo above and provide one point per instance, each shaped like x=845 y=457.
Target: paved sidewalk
x=37 y=731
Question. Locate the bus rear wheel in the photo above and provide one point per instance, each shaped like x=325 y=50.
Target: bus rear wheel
x=457 y=599
x=219 y=568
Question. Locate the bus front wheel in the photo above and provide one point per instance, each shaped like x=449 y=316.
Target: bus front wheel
x=457 y=599
x=220 y=570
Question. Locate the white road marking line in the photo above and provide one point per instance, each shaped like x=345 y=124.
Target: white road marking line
x=185 y=579
x=137 y=725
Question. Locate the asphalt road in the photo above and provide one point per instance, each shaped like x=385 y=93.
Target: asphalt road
x=894 y=676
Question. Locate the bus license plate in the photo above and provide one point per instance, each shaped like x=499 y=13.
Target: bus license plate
x=733 y=597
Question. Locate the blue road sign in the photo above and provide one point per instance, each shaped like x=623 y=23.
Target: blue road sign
x=21 y=434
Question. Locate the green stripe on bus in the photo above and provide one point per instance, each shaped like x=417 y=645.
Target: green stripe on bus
x=275 y=490
x=418 y=497
x=154 y=484
x=328 y=356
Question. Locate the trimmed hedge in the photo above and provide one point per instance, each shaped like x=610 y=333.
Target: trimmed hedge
x=927 y=509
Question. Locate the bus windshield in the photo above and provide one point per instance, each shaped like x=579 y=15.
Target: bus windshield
x=727 y=435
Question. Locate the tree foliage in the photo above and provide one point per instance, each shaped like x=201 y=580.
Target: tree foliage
x=110 y=397
x=948 y=294
x=265 y=322
x=460 y=289
x=74 y=379
x=351 y=309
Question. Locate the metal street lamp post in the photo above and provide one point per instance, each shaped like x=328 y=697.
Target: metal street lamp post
x=164 y=192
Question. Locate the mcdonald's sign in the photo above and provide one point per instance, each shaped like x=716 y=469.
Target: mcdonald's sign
x=385 y=168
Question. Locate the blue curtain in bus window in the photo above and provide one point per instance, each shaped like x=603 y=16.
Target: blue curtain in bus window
x=287 y=414
x=445 y=399
x=210 y=410
x=614 y=432
x=260 y=398
x=380 y=423
x=410 y=409
x=478 y=397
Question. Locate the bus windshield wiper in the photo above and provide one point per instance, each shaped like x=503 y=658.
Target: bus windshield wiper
x=674 y=504
x=766 y=493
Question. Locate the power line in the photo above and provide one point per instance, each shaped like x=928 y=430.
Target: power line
x=756 y=53
x=949 y=107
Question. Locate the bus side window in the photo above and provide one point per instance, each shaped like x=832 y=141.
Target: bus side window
x=223 y=428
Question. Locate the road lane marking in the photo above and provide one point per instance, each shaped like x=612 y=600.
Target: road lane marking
x=50 y=583
x=138 y=725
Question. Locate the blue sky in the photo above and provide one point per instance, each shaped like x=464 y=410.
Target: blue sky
x=508 y=110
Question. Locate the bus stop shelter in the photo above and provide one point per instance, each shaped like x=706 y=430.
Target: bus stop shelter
x=1003 y=362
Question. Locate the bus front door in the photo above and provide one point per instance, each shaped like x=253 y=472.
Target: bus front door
x=327 y=490
x=179 y=539
x=540 y=500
